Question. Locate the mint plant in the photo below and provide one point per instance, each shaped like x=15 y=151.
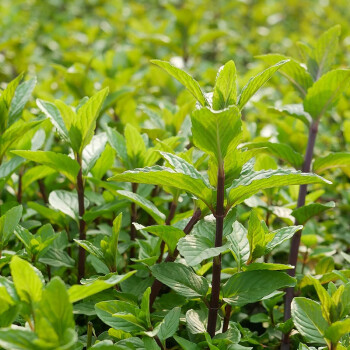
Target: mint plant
x=216 y=129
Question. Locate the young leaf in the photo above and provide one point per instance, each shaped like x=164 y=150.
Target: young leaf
x=135 y=146
x=26 y=279
x=255 y=83
x=181 y=279
x=296 y=111
x=185 y=79
x=325 y=92
x=169 y=325
x=308 y=319
x=336 y=330
x=281 y=235
x=18 y=338
x=256 y=236
x=214 y=132
x=225 y=90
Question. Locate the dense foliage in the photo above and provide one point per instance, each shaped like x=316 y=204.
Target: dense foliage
x=174 y=175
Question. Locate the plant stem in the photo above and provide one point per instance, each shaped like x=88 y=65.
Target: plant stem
x=215 y=290
x=294 y=247
x=228 y=309
x=133 y=219
x=89 y=335
x=157 y=285
x=42 y=190
x=19 y=191
x=82 y=224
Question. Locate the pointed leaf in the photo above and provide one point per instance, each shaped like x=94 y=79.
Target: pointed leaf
x=332 y=160
x=305 y=213
x=185 y=79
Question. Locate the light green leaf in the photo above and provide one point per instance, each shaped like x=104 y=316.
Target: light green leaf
x=295 y=111
x=8 y=224
x=239 y=244
x=255 y=83
x=145 y=204
x=241 y=288
x=194 y=322
x=135 y=146
x=120 y=315
x=336 y=330
x=92 y=249
x=293 y=71
x=266 y=266
x=60 y=162
x=253 y=182
x=332 y=160
x=325 y=51
x=280 y=150
x=325 y=92
x=7 y=168
x=181 y=279
x=93 y=151
x=54 y=114
x=214 y=132
x=20 y=99
x=308 y=319
x=87 y=116
x=26 y=279
x=257 y=233
x=169 y=234
x=158 y=175
x=36 y=173
x=17 y=338
x=305 y=213
x=225 y=89
x=82 y=291
x=66 y=202
x=185 y=79
x=185 y=344
x=54 y=315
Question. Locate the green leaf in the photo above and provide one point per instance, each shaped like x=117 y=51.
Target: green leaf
x=267 y=266
x=118 y=143
x=169 y=325
x=120 y=315
x=239 y=244
x=158 y=175
x=36 y=173
x=324 y=52
x=280 y=150
x=295 y=111
x=54 y=320
x=305 y=213
x=293 y=71
x=332 y=160
x=54 y=114
x=145 y=204
x=7 y=168
x=169 y=234
x=18 y=338
x=20 y=99
x=194 y=323
x=214 y=132
x=280 y=236
x=185 y=79
x=181 y=279
x=336 y=330
x=60 y=162
x=325 y=92
x=8 y=224
x=308 y=319
x=253 y=182
x=195 y=249
x=135 y=146
x=185 y=344
x=82 y=291
x=93 y=151
x=87 y=115
x=91 y=248
x=26 y=279
x=225 y=89
x=66 y=202
x=257 y=232
x=241 y=288
x=255 y=83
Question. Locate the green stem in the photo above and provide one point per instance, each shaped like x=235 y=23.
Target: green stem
x=89 y=335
